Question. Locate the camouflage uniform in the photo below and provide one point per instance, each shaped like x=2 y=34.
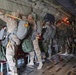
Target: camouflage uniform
x=34 y=38
x=13 y=41
x=48 y=37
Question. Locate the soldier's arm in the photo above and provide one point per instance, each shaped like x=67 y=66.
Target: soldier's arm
x=2 y=16
x=35 y=26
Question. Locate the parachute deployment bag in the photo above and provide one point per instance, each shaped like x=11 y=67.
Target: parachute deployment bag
x=27 y=45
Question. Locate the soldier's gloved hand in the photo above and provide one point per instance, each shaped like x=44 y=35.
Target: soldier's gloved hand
x=37 y=37
x=4 y=27
x=42 y=38
x=1 y=12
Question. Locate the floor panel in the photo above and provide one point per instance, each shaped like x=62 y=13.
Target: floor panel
x=65 y=66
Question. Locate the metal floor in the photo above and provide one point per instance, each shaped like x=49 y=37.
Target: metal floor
x=63 y=65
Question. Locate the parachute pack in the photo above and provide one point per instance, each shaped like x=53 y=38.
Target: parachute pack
x=22 y=29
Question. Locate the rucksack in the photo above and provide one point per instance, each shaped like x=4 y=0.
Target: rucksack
x=22 y=29
x=27 y=45
x=49 y=33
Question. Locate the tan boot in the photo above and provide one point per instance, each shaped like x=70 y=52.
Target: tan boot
x=31 y=63
x=40 y=65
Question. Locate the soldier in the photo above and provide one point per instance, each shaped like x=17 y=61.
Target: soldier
x=35 y=36
x=48 y=33
x=62 y=36
x=48 y=37
x=12 y=40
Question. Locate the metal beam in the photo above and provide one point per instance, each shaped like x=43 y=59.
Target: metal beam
x=58 y=9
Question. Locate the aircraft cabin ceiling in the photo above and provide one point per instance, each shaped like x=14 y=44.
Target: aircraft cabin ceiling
x=69 y=5
x=59 y=8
